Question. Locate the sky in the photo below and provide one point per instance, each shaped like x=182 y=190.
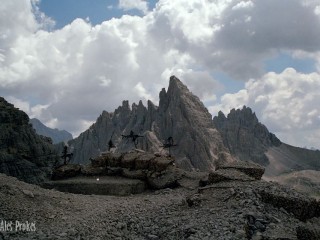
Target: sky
x=64 y=62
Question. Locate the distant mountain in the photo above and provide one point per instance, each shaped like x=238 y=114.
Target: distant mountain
x=202 y=141
x=245 y=136
x=248 y=139
x=23 y=153
x=180 y=115
x=55 y=134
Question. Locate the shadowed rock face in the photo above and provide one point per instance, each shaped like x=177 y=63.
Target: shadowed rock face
x=245 y=136
x=180 y=115
x=249 y=140
x=23 y=153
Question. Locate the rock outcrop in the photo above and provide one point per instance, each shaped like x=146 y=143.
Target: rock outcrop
x=300 y=206
x=245 y=136
x=156 y=172
x=66 y=171
x=55 y=134
x=180 y=115
x=236 y=171
x=23 y=153
x=251 y=169
x=249 y=140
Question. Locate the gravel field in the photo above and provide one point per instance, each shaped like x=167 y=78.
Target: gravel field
x=217 y=211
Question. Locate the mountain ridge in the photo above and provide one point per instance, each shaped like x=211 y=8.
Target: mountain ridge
x=180 y=115
x=55 y=134
x=248 y=139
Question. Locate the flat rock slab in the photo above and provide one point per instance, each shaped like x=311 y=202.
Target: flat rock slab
x=222 y=175
x=251 y=169
x=104 y=185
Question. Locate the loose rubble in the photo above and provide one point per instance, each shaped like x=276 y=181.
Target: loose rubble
x=231 y=209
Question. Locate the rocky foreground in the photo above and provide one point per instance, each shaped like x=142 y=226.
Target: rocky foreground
x=235 y=209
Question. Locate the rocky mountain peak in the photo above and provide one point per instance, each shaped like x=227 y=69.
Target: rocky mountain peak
x=244 y=135
x=180 y=115
x=243 y=116
x=176 y=87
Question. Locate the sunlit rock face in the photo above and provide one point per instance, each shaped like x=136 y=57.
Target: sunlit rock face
x=180 y=115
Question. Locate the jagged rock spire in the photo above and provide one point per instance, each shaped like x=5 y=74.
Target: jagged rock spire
x=180 y=115
x=245 y=136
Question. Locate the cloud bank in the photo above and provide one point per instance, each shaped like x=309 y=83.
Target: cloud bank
x=66 y=77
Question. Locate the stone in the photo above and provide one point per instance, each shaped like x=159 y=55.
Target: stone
x=168 y=179
x=66 y=171
x=193 y=200
x=90 y=170
x=230 y=174
x=28 y=193
x=100 y=161
x=152 y=237
x=134 y=174
x=114 y=159
x=129 y=160
x=160 y=164
x=251 y=169
x=308 y=232
x=302 y=206
x=143 y=161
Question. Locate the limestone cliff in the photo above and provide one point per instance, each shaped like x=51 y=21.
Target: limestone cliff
x=180 y=115
x=23 y=153
x=248 y=139
x=245 y=136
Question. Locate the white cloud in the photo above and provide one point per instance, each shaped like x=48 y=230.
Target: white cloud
x=287 y=103
x=243 y=4
x=140 y=5
x=72 y=74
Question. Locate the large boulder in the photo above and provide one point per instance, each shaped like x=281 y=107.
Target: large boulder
x=299 y=205
x=143 y=161
x=66 y=171
x=114 y=159
x=230 y=174
x=251 y=169
x=166 y=180
x=134 y=174
x=129 y=160
x=101 y=161
x=90 y=170
x=161 y=163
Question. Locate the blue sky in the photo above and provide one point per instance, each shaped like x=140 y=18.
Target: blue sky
x=64 y=12
x=65 y=62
